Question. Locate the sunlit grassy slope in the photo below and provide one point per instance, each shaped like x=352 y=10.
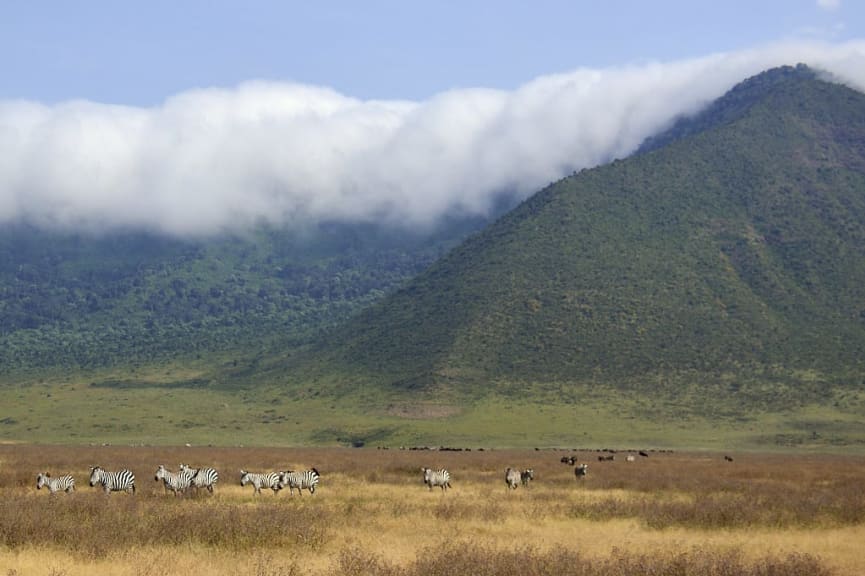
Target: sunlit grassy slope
x=157 y=408
x=724 y=270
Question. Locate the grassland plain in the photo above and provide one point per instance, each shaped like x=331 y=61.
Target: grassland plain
x=668 y=513
x=175 y=404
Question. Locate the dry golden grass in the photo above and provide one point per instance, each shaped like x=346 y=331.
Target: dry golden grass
x=760 y=514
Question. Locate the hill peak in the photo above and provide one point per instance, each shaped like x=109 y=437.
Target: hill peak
x=740 y=252
x=733 y=104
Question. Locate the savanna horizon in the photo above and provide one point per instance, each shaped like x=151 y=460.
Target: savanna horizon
x=371 y=514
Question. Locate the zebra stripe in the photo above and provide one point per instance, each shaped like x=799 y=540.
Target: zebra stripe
x=65 y=483
x=259 y=481
x=581 y=471
x=436 y=478
x=512 y=478
x=120 y=481
x=307 y=479
x=202 y=477
x=177 y=482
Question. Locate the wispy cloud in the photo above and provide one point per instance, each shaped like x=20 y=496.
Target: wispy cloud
x=207 y=161
x=829 y=4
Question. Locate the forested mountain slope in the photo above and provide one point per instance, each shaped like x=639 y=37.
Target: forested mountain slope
x=76 y=300
x=732 y=247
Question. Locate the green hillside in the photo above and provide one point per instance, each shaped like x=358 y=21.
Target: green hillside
x=728 y=256
x=73 y=301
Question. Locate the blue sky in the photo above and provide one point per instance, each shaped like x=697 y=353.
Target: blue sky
x=141 y=52
x=200 y=117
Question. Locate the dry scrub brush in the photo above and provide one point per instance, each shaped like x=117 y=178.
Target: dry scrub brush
x=369 y=499
x=467 y=558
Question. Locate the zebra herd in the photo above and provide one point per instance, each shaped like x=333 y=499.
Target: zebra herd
x=181 y=481
x=187 y=477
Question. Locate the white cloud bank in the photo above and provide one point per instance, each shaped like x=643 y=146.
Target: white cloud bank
x=208 y=161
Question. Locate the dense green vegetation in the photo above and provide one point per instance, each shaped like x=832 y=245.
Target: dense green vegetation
x=83 y=301
x=732 y=258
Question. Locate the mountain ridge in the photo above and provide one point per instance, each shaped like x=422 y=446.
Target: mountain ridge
x=746 y=235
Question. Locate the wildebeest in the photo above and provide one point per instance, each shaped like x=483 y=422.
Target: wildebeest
x=644 y=454
x=609 y=458
x=728 y=458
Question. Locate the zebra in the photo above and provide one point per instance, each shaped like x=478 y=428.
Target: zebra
x=436 y=478
x=307 y=479
x=177 y=482
x=65 y=483
x=259 y=481
x=581 y=471
x=202 y=477
x=121 y=481
x=527 y=476
x=512 y=478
